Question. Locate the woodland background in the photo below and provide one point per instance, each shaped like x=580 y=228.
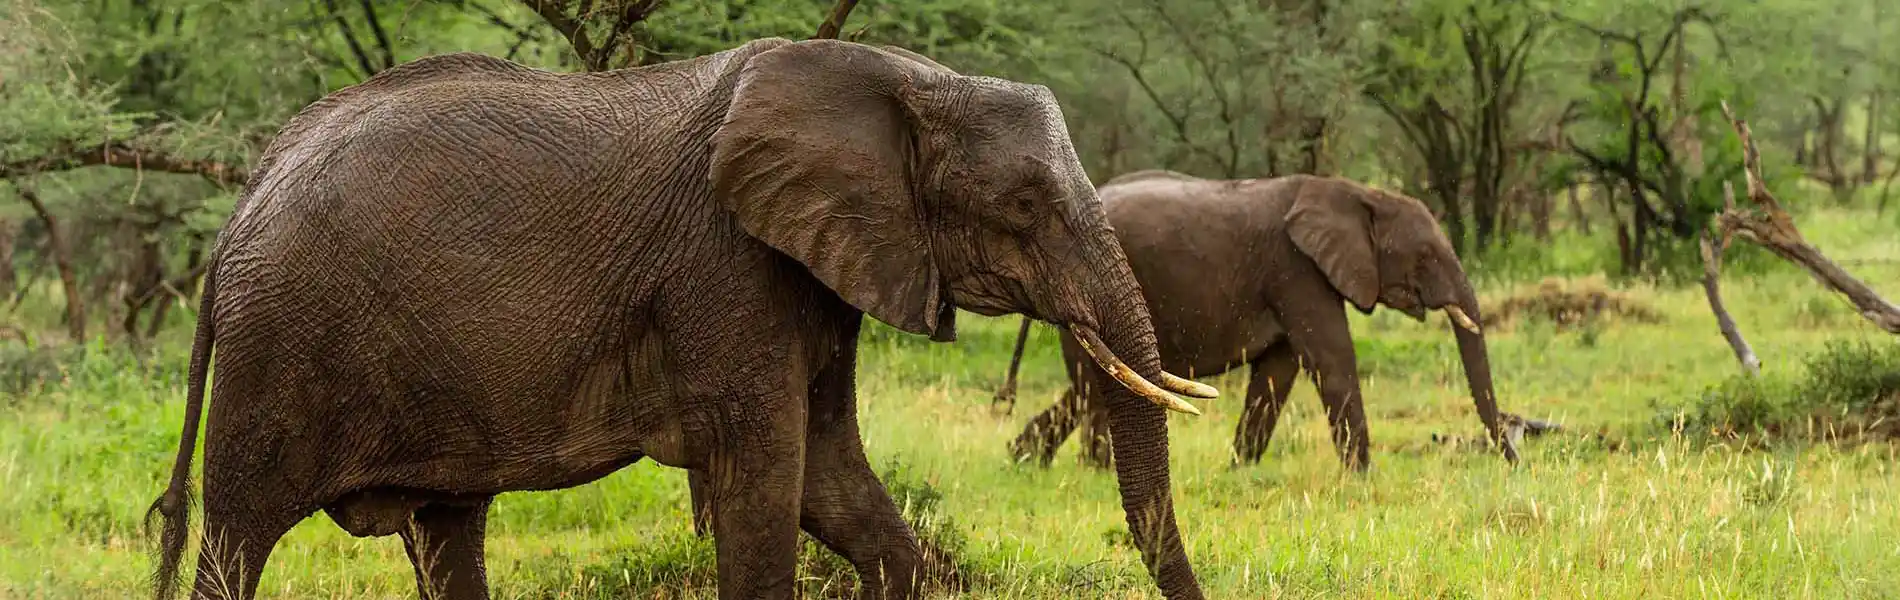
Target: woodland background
x=1574 y=150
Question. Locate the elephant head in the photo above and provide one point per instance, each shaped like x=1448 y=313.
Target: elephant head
x=1381 y=248
x=909 y=189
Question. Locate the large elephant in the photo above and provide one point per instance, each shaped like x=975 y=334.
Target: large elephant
x=464 y=277
x=1257 y=272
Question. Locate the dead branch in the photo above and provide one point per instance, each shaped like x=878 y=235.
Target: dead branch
x=1771 y=227
x=117 y=154
x=382 y=37
x=835 y=23
x=349 y=37
x=1711 y=285
x=574 y=29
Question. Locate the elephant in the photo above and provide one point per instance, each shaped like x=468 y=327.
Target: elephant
x=464 y=277
x=1257 y=272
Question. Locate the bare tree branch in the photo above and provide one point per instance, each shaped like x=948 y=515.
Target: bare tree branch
x=349 y=37
x=1770 y=226
x=1712 y=286
x=382 y=37
x=631 y=13
x=835 y=23
x=116 y=154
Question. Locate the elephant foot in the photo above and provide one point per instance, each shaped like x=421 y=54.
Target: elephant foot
x=1022 y=451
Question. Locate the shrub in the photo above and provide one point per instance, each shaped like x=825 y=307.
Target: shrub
x=1848 y=391
x=1584 y=303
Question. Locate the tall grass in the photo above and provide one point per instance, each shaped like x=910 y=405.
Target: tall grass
x=1617 y=506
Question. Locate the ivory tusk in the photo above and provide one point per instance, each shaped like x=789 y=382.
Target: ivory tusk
x=1128 y=377
x=1186 y=387
x=1463 y=320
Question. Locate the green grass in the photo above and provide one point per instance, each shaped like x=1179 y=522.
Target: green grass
x=1615 y=507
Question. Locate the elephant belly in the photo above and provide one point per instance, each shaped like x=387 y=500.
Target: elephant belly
x=623 y=409
x=1205 y=341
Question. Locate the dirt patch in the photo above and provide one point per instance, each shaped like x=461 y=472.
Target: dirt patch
x=1569 y=303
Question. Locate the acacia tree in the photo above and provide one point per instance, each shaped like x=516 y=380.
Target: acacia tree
x=1229 y=89
x=1450 y=76
x=1649 y=139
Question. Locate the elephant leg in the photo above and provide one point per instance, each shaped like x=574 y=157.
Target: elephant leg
x=756 y=477
x=1097 y=448
x=844 y=506
x=1345 y=414
x=1272 y=380
x=445 y=545
x=1045 y=433
x=1319 y=333
x=699 y=488
x=242 y=526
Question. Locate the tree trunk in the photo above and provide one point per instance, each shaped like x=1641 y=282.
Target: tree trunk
x=9 y=230
x=1870 y=148
x=1870 y=151
x=1576 y=209
x=62 y=260
x=144 y=277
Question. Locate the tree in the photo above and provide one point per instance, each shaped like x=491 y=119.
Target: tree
x=1643 y=138
x=1450 y=75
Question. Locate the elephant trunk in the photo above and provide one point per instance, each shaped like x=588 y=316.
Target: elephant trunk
x=1138 y=426
x=1477 y=362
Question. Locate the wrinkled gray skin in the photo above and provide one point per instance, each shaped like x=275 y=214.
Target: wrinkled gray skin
x=465 y=277
x=1258 y=272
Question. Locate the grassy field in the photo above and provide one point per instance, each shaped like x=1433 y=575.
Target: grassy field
x=1635 y=512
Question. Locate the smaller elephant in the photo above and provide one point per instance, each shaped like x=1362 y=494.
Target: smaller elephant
x=1257 y=272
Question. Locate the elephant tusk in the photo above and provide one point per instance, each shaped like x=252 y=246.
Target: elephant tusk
x=1186 y=387
x=1463 y=320
x=1128 y=377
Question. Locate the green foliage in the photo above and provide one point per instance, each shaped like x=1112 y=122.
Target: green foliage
x=45 y=102
x=1850 y=390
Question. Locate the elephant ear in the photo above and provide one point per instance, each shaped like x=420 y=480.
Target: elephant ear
x=1330 y=223
x=816 y=158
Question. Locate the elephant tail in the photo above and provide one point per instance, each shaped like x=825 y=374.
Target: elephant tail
x=175 y=505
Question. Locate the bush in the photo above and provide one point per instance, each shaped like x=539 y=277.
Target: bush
x=1576 y=303
x=1848 y=391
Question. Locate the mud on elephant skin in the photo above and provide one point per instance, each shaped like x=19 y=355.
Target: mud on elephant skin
x=465 y=277
x=1257 y=272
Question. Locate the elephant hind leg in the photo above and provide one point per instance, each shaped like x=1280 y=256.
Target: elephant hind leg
x=445 y=543
x=242 y=526
x=1097 y=446
x=1046 y=432
x=700 y=492
x=1274 y=373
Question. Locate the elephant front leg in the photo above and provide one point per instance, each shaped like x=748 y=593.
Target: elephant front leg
x=756 y=479
x=1271 y=383
x=1345 y=413
x=445 y=545
x=845 y=507
x=1318 y=330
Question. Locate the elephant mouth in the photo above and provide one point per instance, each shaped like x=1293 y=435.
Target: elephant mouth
x=1162 y=394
